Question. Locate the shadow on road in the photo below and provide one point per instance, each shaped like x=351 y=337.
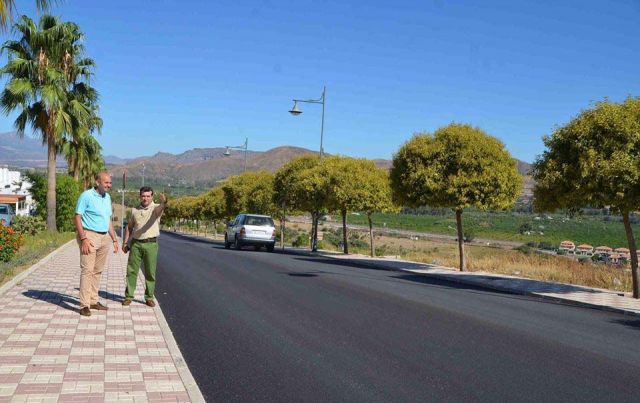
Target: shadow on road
x=632 y=323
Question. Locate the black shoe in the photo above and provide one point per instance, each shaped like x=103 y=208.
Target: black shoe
x=99 y=307
x=85 y=311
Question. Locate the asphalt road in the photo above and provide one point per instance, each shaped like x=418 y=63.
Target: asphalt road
x=258 y=326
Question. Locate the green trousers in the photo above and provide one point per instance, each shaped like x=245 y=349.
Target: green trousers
x=147 y=254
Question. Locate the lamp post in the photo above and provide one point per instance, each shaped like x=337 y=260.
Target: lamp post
x=244 y=147
x=295 y=111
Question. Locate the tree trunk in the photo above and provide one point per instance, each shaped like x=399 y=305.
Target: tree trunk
x=345 y=243
x=314 y=231
x=282 y=221
x=460 y=240
x=633 y=251
x=51 y=183
x=373 y=251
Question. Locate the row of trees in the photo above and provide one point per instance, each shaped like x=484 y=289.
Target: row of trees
x=456 y=167
x=49 y=87
x=305 y=184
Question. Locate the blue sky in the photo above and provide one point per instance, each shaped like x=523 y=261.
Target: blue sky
x=175 y=75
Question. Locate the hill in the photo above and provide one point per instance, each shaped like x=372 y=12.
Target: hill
x=25 y=152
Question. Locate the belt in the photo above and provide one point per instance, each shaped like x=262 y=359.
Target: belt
x=97 y=232
x=154 y=239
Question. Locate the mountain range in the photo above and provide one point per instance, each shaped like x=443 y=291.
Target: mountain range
x=195 y=167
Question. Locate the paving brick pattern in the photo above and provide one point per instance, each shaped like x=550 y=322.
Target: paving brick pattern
x=49 y=353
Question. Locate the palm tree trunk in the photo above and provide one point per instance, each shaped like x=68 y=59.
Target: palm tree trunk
x=51 y=183
x=373 y=251
x=460 y=240
x=634 y=254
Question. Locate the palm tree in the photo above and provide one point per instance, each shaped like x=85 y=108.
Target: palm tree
x=46 y=71
x=84 y=158
x=7 y=8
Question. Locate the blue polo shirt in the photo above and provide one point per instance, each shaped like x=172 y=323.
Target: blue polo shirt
x=95 y=210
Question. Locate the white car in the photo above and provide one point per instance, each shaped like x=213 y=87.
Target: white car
x=250 y=230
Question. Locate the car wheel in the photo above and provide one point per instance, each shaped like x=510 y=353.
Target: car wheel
x=237 y=244
x=257 y=247
x=227 y=245
x=270 y=248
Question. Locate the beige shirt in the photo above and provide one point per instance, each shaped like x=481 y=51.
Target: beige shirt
x=145 y=223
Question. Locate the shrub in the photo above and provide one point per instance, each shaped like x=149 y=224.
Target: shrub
x=524 y=228
x=301 y=240
x=67 y=193
x=468 y=235
x=545 y=246
x=28 y=225
x=533 y=244
x=10 y=242
x=526 y=249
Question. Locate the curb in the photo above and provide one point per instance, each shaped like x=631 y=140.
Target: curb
x=21 y=276
x=481 y=284
x=183 y=370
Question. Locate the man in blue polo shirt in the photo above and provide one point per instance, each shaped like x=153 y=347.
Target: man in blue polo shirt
x=95 y=235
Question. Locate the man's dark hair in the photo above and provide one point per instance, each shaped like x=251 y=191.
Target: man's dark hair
x=146 y=189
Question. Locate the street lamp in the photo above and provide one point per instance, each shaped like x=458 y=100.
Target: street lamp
x=244 y=147
x=295 y=111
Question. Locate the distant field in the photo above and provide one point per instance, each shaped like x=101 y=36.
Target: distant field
x=593 y=230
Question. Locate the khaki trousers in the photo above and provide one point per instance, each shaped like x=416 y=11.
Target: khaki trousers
x=91 y=267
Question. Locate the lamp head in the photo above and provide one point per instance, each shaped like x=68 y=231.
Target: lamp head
x=295 y=111
x=227 y=152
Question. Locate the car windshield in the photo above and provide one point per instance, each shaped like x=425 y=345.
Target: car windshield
x=259 y=221
x=4 y=210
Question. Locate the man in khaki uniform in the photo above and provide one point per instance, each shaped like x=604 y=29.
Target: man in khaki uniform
x=95 y=235
x=144 y=230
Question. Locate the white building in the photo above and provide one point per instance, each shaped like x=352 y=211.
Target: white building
x=14 y=190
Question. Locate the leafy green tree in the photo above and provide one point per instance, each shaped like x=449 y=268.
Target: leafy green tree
x=374 y=190
x=48 y=84
x=594 y=160
x=459 y=167
x=344 y=187
x=213 y=205
x=67 y=193
x=306 y=185
x=250 y=192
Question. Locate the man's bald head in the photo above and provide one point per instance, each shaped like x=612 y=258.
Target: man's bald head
x=103 y=182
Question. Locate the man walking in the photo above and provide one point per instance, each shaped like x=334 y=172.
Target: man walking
x=144 y=230
x=95 y=234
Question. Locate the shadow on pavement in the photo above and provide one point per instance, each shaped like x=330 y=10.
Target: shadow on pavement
x=55 y=298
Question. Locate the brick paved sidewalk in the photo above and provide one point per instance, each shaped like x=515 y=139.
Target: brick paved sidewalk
x=48 y=352
x=592 y=297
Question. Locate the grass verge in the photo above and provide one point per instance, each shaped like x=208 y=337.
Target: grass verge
x=35 y=248
x=520 y=263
